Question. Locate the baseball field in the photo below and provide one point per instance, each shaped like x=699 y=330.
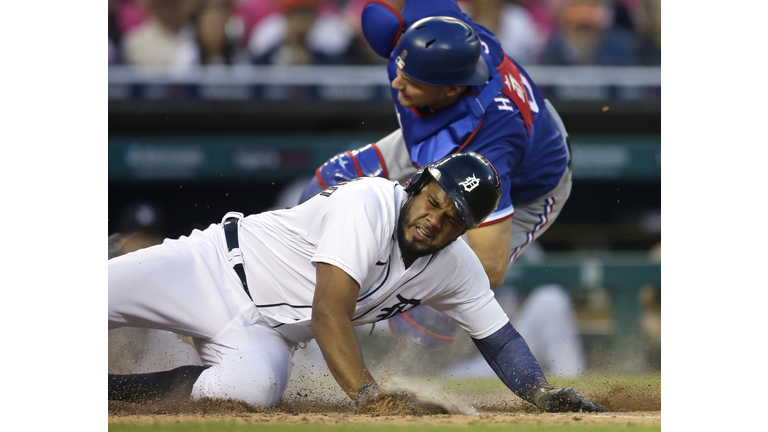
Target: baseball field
x=630 y=402
x=444 y=400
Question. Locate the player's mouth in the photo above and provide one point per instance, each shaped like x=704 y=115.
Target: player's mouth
x=404 y=100
x=421 y=234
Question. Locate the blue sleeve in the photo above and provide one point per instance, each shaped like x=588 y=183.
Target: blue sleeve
x=509 y=356
x=415 y=10
x=382 y=26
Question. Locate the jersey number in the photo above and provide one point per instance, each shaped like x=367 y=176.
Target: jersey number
x=328 y=191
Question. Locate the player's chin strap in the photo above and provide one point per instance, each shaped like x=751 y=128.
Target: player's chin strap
x=231 y=223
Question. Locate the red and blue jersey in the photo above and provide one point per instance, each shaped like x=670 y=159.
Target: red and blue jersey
x=504 y=120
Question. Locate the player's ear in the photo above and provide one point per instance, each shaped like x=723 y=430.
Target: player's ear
x=455 y=90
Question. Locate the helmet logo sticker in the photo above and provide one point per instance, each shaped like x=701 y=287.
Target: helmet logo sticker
x=400 y=60
x=470 y=183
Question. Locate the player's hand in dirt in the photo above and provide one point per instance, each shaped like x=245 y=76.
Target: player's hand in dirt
x=563 y=399
x=400 y=403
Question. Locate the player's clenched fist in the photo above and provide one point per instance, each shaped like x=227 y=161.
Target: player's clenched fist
x=563 y=399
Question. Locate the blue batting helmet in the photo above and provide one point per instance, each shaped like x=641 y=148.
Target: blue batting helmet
x=441 y=51
x=469 y=180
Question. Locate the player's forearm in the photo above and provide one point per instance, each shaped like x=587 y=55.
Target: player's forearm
x=509 y=356
x=341 y=350
x=332 y=310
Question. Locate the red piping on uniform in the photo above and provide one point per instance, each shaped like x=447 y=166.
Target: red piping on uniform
x=416 y=325
x=471 y=136
x=320 y=178
x=354 y=161
x=536 y=228
x=381 y=160
x=420 y=114
x=397 y=14
x=497 y=220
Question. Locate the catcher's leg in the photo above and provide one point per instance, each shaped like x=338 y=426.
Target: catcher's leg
x=546 y=318
x=532 y=219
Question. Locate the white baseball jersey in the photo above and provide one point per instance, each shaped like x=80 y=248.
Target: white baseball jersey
x=188 y=285
x=353 y=226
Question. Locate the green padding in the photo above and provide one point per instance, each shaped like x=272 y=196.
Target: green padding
x=275 y=157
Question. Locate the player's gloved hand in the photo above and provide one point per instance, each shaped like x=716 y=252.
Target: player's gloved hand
x=366 y=395
x=563 y=399
x=399 y=403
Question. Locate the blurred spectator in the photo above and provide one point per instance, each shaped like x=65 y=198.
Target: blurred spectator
x=649 y=32
x=124 y=16
x=219 y=31
x=302 y=32
x=166 y=38
x=252 y=12
x=587 y=36
x=115 y=36
x=623 y=14
x=514 y=25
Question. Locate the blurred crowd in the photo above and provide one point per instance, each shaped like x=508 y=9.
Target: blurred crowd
x=179 y=34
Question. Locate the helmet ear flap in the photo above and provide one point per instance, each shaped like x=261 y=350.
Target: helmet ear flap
x=417 y=181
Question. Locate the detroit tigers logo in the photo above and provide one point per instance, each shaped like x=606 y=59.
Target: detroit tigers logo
x=400 y=60
x=387 y=313
x=470 y=183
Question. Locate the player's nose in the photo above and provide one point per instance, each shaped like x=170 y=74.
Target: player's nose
x=397 y=83
x=434 y=221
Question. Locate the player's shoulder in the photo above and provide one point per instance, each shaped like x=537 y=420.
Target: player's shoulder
x=462 y=256
x=375 y=185
x=368 y=191
x=461 y=266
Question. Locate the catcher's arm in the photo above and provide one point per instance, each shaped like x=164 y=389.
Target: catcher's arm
x=509 y=356
x=332 y=309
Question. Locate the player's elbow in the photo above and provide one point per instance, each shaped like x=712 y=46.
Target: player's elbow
x=321 y=314
x=326 y=315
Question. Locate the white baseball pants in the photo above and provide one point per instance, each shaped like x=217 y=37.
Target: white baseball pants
x=188 y=286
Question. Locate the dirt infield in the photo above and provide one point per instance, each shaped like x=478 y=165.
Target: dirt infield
x=314 y=397
x=624 y=406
